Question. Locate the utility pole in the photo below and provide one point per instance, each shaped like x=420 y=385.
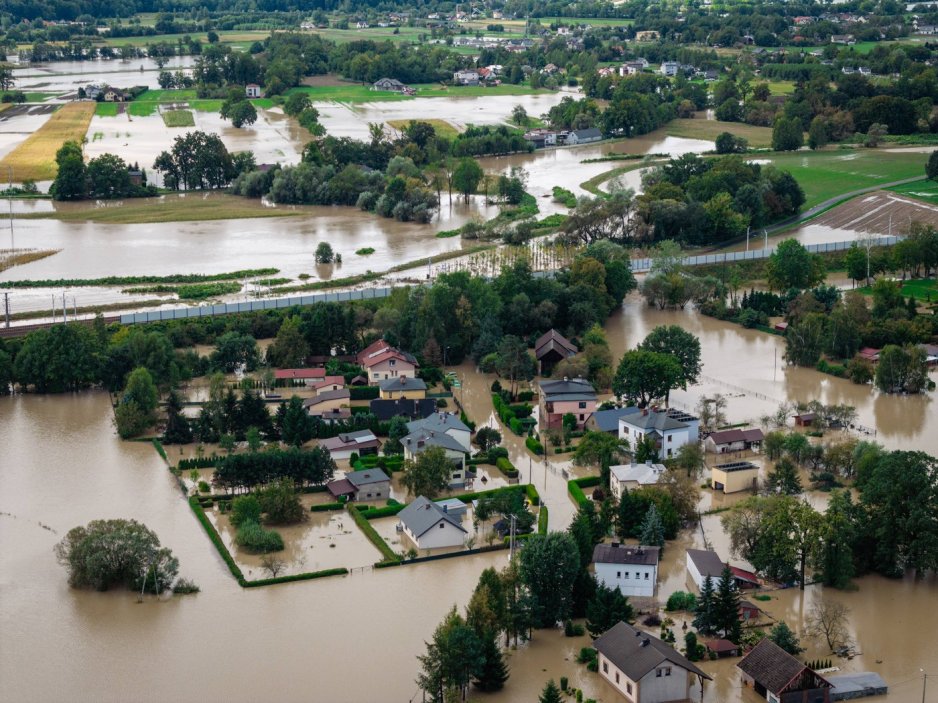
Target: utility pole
x=6 y=308
x=747 y=240
x=64 y=309
x=511 y=539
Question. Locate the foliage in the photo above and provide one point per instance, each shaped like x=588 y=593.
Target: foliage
x=245 y=509
x=792 y=266
x=280 y=503
x=305 y=468
x=652 y=530
x=254 y=538
x=605 y=609
x=428 y=474
x=196 y=161
x=782 y=635
x=679 y=600
x=549 y=567
x=643 y=376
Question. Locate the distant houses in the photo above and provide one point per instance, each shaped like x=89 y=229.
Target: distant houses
x=735 y=440
x=633 y=570
x=392 y=85
x=584 y=136
x=467 y=77
x=252 y=90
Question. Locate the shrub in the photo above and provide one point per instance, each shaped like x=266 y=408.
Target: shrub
x=525 y=396
x=506 y=467
x=572 y=629
x=255 y=538
x=204 y=487
x=363 y=392
x=532 y=494
x=653 y=620
x=281 y=504
x=245 y=509
x=534 y=446
x=563 y=683
x=542 y=520
x=679 y=600
x=325 y=507
x=183 y=586
x=373 y=536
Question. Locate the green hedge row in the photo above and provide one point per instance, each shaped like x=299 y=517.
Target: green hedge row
x=372 y=534
x=308 y=576
x=217 y=540
x=506 y=467
x=363 y=392
x=533 y=495
x=202 y=462
x=506 y=414
x=542 y=518
x=469 y=497
x=159 y=449
x=575 y=487
x=373 y=513
x=325 y=507
x=534 y=446
x=392 y=463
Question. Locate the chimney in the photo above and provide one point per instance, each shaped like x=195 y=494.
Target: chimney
x=615 y=545
x=646 y=642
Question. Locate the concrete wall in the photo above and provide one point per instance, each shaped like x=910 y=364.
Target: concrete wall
x=410 y=394
x=377 y=491
x=613 y=576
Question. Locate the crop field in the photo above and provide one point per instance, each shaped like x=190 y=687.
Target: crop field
x=178 y=118
x=441 y=127
x=224 y=37
x=827 y=174
x=880 y=212
x=107 y=109
x=355 y=93
x=709 y=129
x=34 y=159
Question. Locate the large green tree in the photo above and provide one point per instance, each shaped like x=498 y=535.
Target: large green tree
x=549 y=567
x=428 y=473
x=466 y=176
x=60 y=358
x=792 y=266
x=679 y=343
x=643 y=376
x=605 y=609
x=71 y=179
x=289 y=348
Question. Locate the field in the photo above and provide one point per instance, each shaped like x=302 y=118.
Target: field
x=863 y=47
x=233 y=37
x=178 y=118
x=34 y=159
x=356 y=93
x=176 y=209
x=924 y=289
x=709 y=129
x=107 y=109
x=920 y=190
x=148 y=103
x=880 y=212
x=441 y=127
x=827 y=174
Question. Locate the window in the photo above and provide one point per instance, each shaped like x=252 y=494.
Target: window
x=626 y=574
x=582 y=405
x=658 y=673
x=617 y=677
x=628 y=687
x=646 y=575
x=393 y=362
x=667 y=671
x=582 y=417
x=605 y=667
x=457 y=475
x=618 y=574
x=670 y=437
x=442 y=524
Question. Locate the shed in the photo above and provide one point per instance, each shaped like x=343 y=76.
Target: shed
x=734 y=477
x=776 y=675
x=453 y=506
x=859 y=684
x=551 y=348
x=723 y=648
x=805 y=419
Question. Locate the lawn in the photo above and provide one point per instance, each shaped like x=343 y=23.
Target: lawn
x=781 y=87
x=34 y=159
x=353 y=92
x=179 y=118
x=710 y=129
x=920 y=190
x=924 y=289
x=170 y=209
x=827 y=174
x=107 y=109
x=441 y=127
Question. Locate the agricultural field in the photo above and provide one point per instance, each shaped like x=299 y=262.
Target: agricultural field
x=178 y=118
x=233 y=37
x=107 y=109
x=827 y=174
x=699 y=128
x=34 y=159
x=441 y=127
x=924 y=289
x=919 y=190
x=356 y=93
x=880 y=212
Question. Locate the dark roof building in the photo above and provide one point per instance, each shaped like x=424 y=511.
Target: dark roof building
x=551 y=348
x=567 y=389
x=411 y=408
x=625 y=554
x=770 y=670
x=400 y=384
x=608 y=420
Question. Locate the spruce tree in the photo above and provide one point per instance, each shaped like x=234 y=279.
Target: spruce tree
x=726 y=607
x=177 y=429
x=704 y=620
x=652 y=533
x=782 y=635
x=550 y=694
x=606 y=609
x=784 y=478
x=493 y=673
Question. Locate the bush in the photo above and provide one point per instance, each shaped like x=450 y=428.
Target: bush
x=184 y=586
x=204 y=487
x=563 y=683
x=679 y=600
x=255 y=538
x=542 y=520
x=506 y=467
x=653 y=620
x=532 y=494
x=245 y=509
x=525 y=396
x=373 y=536
x=325 y=507
x=572 y=629
x=534 y=446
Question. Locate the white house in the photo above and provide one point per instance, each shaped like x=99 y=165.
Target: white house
x=670 y=429
x=466 y=78
x=643 y=668
x=430 y=526
x=252 y=90
x=632 y=476
x=448 y=423
x=631 y=569
x=670 y=68
x=444 y=430
x=703 y=564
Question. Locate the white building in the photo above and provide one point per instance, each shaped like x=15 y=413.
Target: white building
x=631 y=569
x=670 y=429
x=430 y=526
x=670 y=68
x=632 y=476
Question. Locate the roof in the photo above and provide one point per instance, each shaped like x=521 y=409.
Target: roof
x=402 y=383
x=341 y=394
x=350 y=440
x=587 y=133
x=721 y=646
x=300 y=373
x=421 y=439
x=454 y=506
x=385 y=409
x=329 y=381
x=372 y=348
x=568 y=389
x=608 y=420
x=652 y=420
x=388 y=353
x=636 y=653
x=623 y=554
x=366 y=477
x=706 y=561
x=331 y=414
x=743 y=575
x=746 y=605
x=422 y=514
x=737 y=435
x=855 y=682
x=340 y=487
x=554 y=341
x=440 y=422
x=646 y=474
x=773 y=667
x=736 y=466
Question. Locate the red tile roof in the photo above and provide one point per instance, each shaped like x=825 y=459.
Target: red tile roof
x=300 y=373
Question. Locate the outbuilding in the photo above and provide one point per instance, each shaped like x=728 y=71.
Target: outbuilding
x=777 y=676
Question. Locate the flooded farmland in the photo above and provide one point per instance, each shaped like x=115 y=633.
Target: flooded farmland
x=62 y=465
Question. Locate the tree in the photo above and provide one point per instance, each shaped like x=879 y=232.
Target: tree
x=727 y=143
x=6 y=373
x=792 y=266
x=804 y=339
x=704 y=620
x=712 y=413
x=71 y=179
x=245 y=509
x=679 y=343
x=875 y=134
x=296 y=103
x=519 y=115
x=513 y=361
x=931 y=167
x=488 y=437
x=726 y=607
x=177 y=429
x=550 y=694
x=782 y=635
x=281 y=504
x=652 y=532
x=901 y=369
x=453 y=657
x=136 y=410
x=108 y=553
x=108 y=178
x=297 y=426
x=787 y=134
x=549 y=567
x=694 y=650
x=643 y=376
x=784 y=478
x=130 y=420
x=605 y=609
x=289 y=348
x=428 y=474
x=241 y=112
x=599 y=449
x=324 y=253
x=818 y=133
x=466 y=176
x=493 y=672
x=234 y=350
x=397 y=429
x=829 y=619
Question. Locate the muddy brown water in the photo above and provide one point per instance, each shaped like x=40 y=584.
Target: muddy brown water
x=61 y=465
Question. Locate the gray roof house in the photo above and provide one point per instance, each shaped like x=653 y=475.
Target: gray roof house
x=642 y=667
x=368 y=484
x=608 y=420
x=443 y=430
x=402 y=383
x=584 y=136
x=430 y=526
x=447 y=423
x=345 y=444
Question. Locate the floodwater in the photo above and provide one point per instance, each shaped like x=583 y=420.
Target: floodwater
x=60 y=76
x=62 y=465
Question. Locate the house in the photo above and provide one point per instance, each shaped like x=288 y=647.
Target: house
x=252 y=90
x=361 y=24
x=348 y=443
x=780 y=327
x=865 y=71
x=704 y=563
x=858 y=684
x=443 y=430
x=734 y=477
x=805 y=419
x=670 y=429
x=357 y=486
x=931 y=353
x=429 y=526
x=643 y=668
x=869 y=354
x=328 y=383
x=735 y=440
x=722 y=648
x=541 y=137
x=584 y=136
x=387 y=362
x=748 y=612
x=298 y=377
x=114 y=95
x=632 y=476
x=384 y=410
x=92 y=91
x=633 y=570
x=631 y=68
x=327 y=401
x=776 y=675
x=447 y=423
x=391 y=85
x=608 y=420
x=550 y=348
x=846 y=39
x=558 y=398
x=330 y=417
x=468 y=77
x=669 y=68
x=453 y=506
x=403 y=387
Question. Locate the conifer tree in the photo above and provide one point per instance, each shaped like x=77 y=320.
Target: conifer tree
x=652 y=533
x=726 y=607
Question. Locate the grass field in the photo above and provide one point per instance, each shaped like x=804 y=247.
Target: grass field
x=710 y=129
x=171 y=209
x=355 y=93
x=441 y=127
x=919 y=190
x=224 y=37
x=34 y=159
x=178 y=118
x=827 y=174
x=781 y=87
x=107 y=109
x=924 y=289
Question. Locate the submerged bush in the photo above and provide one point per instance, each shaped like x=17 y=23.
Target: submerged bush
x=255 y=538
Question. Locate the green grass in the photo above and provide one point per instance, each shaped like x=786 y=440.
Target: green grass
x=142 y=109
x=441 y=127
x=827 y=174
x=224 y=37
x=922 y=288
x=696 y=128
x=353 y=93
x=166 y=96
x=365 y=251
x=178 y=118
x=106 y=109
x=920 y=190
x=781 y=88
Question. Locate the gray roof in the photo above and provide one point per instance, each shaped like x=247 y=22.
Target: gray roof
x=568 y=389
x=707 y=562
x=341 y=394
x=608 y=420
x=421 y=439
x=855 y=682
x=402 y=383
x=654 y=421
x=440 y=422
x=636 y=653
x=587 y=133
x=423 y=514
x=554 y=341
x=616 y=553
x=366 y=477
x=774 y=668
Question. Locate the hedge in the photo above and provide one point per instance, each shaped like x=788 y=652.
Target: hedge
x=372 y=534
x=363 y=392
x=579 y=497
x=159 y=448
x=374 y=513
x=217 y=540
x=324 y=507
x=469 y=497
x=542 y=520
x=521 y=410
x=506 y=467
x=202 y=462
x=506 y=414
x=534 y=446
x=533 y=495
x=307 y=576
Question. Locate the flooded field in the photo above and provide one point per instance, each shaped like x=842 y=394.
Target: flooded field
x=69 y=76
